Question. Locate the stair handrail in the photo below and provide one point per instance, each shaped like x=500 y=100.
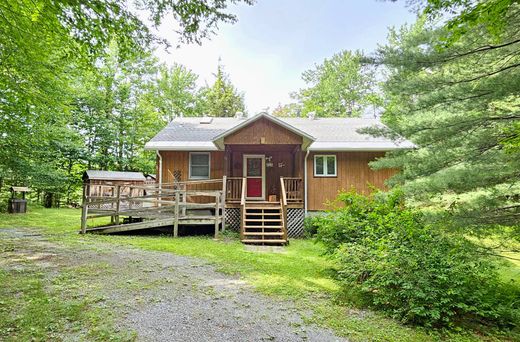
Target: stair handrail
x=243 y=197
x=284 y=207
x=283 y=193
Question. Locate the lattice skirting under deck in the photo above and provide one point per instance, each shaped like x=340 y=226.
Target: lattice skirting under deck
x=295 y=217
x=233 y=218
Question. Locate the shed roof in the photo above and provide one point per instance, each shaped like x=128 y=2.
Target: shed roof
x=20 y=189
x=327 y=134
x=114 y=175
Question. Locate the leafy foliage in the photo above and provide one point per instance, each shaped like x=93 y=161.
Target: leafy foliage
x=176 y=93
x=343 y=85
x=466 y=15
x=410 y=270
x=76 y=85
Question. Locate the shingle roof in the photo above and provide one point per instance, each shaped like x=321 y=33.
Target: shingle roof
x=328 y=134
x=114 y=175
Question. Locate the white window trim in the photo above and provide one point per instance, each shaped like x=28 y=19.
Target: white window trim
x=325 y=165
x=209 y=165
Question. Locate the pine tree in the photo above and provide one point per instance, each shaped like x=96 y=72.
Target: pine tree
x=460 y=105
x=222 y=99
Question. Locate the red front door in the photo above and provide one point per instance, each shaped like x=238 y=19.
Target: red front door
x=254 y=168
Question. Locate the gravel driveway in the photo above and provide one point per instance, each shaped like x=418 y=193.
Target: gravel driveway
x=165 y=297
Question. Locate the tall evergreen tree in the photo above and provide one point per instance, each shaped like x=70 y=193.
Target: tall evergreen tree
x=460 y=105
x=222 y=98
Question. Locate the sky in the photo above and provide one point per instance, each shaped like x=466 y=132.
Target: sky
x=274 y=41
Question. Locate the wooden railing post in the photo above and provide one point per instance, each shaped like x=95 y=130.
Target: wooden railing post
x=84 y=210
x=217 y=209
x=176 y=214
x=243 y=208
x=223 y=202
x=118 y=203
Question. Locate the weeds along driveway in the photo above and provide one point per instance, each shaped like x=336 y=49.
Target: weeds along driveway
x=152 y=296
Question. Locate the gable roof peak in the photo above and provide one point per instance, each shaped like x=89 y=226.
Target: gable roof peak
x=307 y=138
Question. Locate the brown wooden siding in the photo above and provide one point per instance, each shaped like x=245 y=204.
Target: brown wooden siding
x=178 y=162
x=263 y=131
x=352 y=172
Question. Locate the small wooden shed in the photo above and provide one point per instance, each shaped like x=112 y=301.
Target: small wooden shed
x=100 y=183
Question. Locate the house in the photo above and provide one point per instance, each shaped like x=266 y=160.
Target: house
x=276 y=169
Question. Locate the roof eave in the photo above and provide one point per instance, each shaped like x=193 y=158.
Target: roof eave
x=357 y=146
x=180 y=146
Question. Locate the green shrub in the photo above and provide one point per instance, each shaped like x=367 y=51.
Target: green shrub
x=410 y=270
x=309 y=226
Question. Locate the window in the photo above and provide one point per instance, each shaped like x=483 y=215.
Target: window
x=325 y=166
x=199 y=165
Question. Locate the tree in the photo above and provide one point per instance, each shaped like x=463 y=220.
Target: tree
x=46 y=46
x=288 y=110
x=465 y=15
x=341 y=86
x=460 y=105
x=222 y=99
x=114 y=110
x=176 y=92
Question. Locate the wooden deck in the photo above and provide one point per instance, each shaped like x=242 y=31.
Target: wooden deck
x=183 y=203
x=156 y=206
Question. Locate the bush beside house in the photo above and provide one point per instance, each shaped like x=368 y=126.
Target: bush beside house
x=392 y=260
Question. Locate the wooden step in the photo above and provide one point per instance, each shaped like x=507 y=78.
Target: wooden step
x=257 y=227
x=263 y=234
x=264 y=220
x=280 y=241
x=262 y=208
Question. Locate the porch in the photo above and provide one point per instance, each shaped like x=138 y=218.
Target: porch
x=268 y=170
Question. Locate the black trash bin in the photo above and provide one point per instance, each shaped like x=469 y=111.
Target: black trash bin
x=17 y=206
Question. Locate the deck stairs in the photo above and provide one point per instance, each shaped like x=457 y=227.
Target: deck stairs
x=263 y=223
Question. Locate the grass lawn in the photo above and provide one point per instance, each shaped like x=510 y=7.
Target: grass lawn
x=300 y=272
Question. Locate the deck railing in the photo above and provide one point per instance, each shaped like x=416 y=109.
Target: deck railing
x=154 y=201
x=292 y=188
x=234 y=189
